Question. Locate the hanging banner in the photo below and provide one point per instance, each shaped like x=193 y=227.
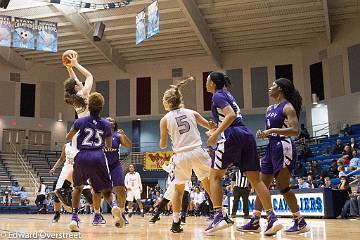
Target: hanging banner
x=24 y=33
x=154 y=160
x=47 y=36
x=153 y=19
x=140 y=27
x=5 y=31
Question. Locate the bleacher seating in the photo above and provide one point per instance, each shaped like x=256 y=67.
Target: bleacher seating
x=322 y=151
x=42 y=161
x=5 y=175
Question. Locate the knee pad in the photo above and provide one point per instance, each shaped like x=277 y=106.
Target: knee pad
x=56 y=199
x=88 y=196
x=285 y=190
x=67 y=184
x=64 y=196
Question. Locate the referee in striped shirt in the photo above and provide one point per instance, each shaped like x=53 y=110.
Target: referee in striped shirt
x=241 y=188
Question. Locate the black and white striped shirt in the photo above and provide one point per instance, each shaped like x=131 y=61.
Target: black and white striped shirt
x=240 y=179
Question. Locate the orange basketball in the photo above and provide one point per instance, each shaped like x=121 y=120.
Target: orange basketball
x=66 y=54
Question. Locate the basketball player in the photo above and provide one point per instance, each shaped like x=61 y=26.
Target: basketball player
x=134 y=189
x=116 y=171
x=90 y=162
x=76 y=94
x=237 y=146
x=181 y=124
x=282 y=122
x=168 y=195
x=63 y=186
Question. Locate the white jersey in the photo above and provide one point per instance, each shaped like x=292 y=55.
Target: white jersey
x=133 y=181
x=183 y=131
x=70 y=153
x=82 y=112
x=188 y=186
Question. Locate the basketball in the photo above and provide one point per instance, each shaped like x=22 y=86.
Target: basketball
x=66 y=54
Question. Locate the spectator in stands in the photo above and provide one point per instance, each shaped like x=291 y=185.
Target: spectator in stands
x=7 y=196
x=304 y=132
x=302 y=184
x=347 y=130
x=315 y=169
x=339 y=147
x=304 y=152
x=354 y=162
x=299 y=170
x=199 y=200
x=311 y=182
x=327 y=183
x=353 y=144
x=333 y=170
x=341 y=170
x=24 y=197
x=355 y=200
x=347 y=154
x=345 y=186
x=15 y=189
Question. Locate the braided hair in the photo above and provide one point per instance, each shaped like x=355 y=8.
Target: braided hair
x=290 y=93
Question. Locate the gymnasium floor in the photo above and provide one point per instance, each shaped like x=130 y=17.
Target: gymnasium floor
x=140 y=229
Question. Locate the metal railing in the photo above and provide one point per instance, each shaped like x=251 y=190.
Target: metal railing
x=25 y=167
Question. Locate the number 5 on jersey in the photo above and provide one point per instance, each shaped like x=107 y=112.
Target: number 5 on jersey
x=183 y=124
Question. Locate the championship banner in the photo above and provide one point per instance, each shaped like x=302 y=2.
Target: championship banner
x=154 y=160
x=153 y=19
x=140 y=27
x=47 y=36
x=5 y=31
x=24 y=33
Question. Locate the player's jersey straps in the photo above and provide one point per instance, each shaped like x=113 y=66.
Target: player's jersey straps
x=183 y=131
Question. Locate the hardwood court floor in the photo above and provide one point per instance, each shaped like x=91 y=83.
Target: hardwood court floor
x=140 y=229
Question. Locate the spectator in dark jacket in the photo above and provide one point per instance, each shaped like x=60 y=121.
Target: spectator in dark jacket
x=354 y=146
x=339 y=147
x=299 y=170
x=304 y=132
x=315 y=169
x=333 y=170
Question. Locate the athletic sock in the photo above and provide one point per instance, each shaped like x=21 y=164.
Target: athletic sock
x=113 y=203
x=257 y=214
x=296 y=215
x=97 y=211
x=176 y=217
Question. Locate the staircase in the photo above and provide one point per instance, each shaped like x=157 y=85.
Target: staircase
x=19 y=174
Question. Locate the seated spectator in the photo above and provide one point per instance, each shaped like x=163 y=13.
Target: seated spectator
x=341 y=171
x=327 y=183
x=311 y=182
x=15 y=189
x=199 y=200
x=347 y=154
x=346 y=130
x=302 y=184
x=24 y=197
x=339 y=147
x=333 y=170
x=299 y=170
x=354 y=162
x=304 y=132
x=7 y=196
x=355 y=200
x=315 y=169
x=353 y=144
x=344 y=184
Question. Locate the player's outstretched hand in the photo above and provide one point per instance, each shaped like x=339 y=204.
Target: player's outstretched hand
x=73 y=60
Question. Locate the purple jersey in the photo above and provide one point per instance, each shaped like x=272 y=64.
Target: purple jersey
x=92 y=132
x=220 y=100
x=275 y=117
x=115 y=140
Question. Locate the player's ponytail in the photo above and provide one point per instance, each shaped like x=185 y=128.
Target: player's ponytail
x=70 y=96
x=220 y=79
x=290 y=93
x=174 y=96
